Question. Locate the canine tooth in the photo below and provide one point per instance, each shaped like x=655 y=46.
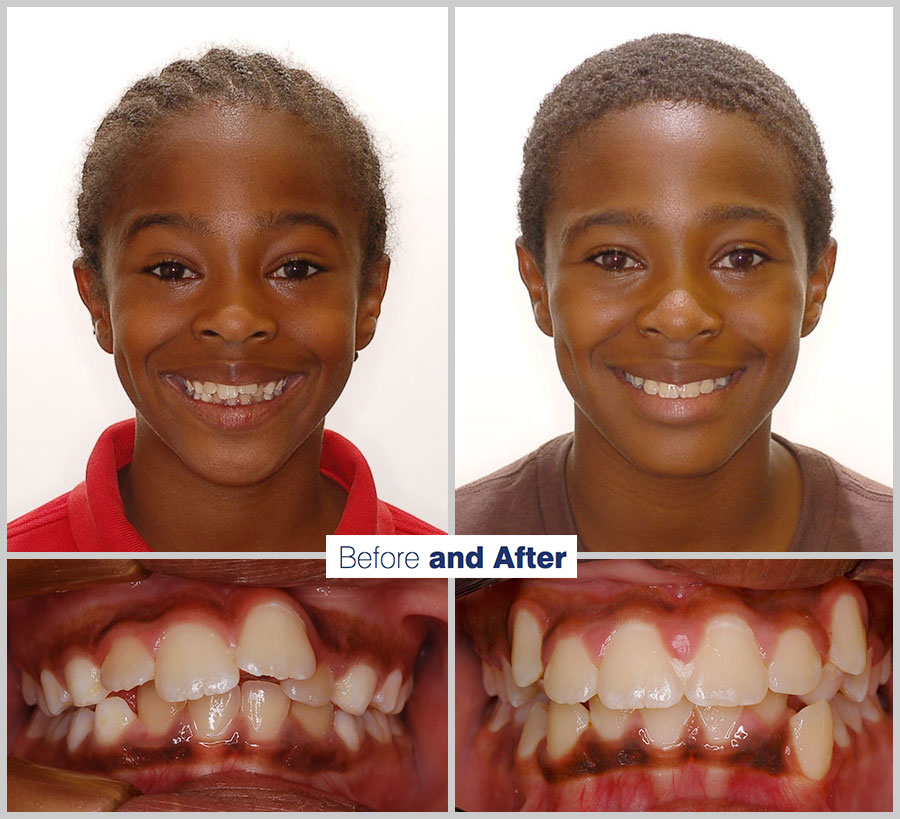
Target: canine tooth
x=664 y=726
x=353 y=692
x=273 y=643
x=722 y=382
x=59 y=726
x=856 y=686
x=349 y=728
x=213 y=715
x=403 y=696
x=154 y=712
x=707 y=385
x=565 y=723
x=870 y=709
x=608 y=724
x=192 y=662
x=812 y=736
x=492 y=680
x=796 y=667
x=635 y=671
x=727 y=668
x=719 y=723
x=247 y=389
x=385 y=698
x=29 y=689
x=499 y=716
x=57 y=698
x=848 y=636
x=534 y=730
x=885 y=668
x=37 y=725
x=196 y=386
x=316 y=690
x=840 y=732
x=376 y=725
x=210 y=387
x=42 y=701
x=638 y=381
x=126 y=665
x=516 y=695
x=315 y=719
x=771 y=709
x=651 y=387
x=82 y=725
x=269 y=388
x=83 y=681
x=571 y=675
x=528 y=637
x=849 y=712
x=265 y=707
x=111 y=717
x=829 y=685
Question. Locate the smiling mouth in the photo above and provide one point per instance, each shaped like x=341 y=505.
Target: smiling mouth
x=229 y=395
x=692 y=389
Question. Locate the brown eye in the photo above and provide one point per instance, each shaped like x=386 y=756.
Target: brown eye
x=297 y=269
x=171 y=271
x=741 y=259
x=614 y=260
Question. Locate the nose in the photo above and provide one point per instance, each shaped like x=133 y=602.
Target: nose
x=680 y=311
x=235 y=312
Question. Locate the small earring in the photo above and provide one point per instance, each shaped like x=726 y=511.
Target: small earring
x=95 y=327
x=356 y=356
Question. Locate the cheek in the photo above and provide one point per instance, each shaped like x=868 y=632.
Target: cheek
x=582 y=318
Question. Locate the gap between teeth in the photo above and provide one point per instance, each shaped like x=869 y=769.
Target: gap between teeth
x=232 y=395
x=692 y=389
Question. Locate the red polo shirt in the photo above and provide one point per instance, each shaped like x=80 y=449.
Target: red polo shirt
x=91 y=518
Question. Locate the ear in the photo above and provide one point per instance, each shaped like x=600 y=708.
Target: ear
x=93 y=294
x=369 y=308
x=534 y=280
x=817 y=287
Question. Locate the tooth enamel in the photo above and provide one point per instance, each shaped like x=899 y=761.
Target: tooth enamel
x=29 y=689
x=82 y=725
x=840 y=732
x=668 y=390
x=796 y=667
x=651 y=387
x=637 y=381
x=56 y=697
x=349 y=728
x=317 y=689
x=848 y=636
x=635 y=671
x=870 y=709
x=269 y=388
x=707 y=385
x=722 y=382
x=571 y=675
x=719 y=723
x=885 y=667
x=528 y=637
x=515 y=694
x=193 y=661
x=396 y=725
x=212 y=716
x=565 y=723
x=210 y=388
x=403 y=696
x=353 y=692
x=829 y=685
x=376 y=725
x=812 y=736
x=244 y=399
x=385 y=698
x=727 y=668
x=856 y=686
x=42 y=700
x=83 y=682
x=315 y=719
x=533 y=731
x=111 y=718
x=273 y=643
x=224 y=391
x=155 y=713
x=206 y=399
x=126 y=665
x=771 y=709
x=265 y=706
x=37 y=725
x=849 y=712
x=691 y=390
x=499 y=716
x=608 y=724
x=492 y=680
x=59 y=727
x=664 y=726
x=247 y=389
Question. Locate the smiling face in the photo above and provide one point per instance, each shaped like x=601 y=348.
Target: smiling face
x=232 y=293
x=675 y=282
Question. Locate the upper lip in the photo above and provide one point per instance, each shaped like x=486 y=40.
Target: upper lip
x=678 y=372
x=232 y=372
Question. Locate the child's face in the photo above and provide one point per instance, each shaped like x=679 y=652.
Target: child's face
x=232 y=259
x=675 y=254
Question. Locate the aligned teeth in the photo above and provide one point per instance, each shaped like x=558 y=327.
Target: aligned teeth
x=265 y=707
x=796 y=667
x=273 y=643
x=571 y=675
x=128 y=664
x=211 y=392
x=316 y=690
x=192 y=662
x=848 y=636
x=692 y=389
x=812 y=737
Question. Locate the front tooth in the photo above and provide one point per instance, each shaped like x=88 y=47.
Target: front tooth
x=265 y=707
x=665 y=726
x=829 y=684
x=192 y=662
x=349 y=729
x=353 y=692
x=316 y=690
x=225 y=391
x=691 y=390
x=528 y=636
x=849 y=712
x=29 y=689
x=533 y=731
x=635 y=671
x=83 y=681
x=771 y=709
x=796 y=667
x=571 y=675
x=515 y=694
x=154 y=712
x=608 y=724
x=247 y=389
x=707 y=385
x=848 y=636
x=651 y=387
x=727 y=668
x=57 y=698
x=856 y=686
x=315 y=719
x=126 y=665
x=565 y=723
x=376 y=725
x=82 y=725
x=273 y=643
x=720 y=723
x=812 y=736
x=668 y=390
x=111 y=718
x=213 y=715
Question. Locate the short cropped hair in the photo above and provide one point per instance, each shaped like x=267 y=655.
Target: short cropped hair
x=674 y=68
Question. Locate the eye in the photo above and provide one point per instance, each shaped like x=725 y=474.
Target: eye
x=742 y=258
x=615 y=260
x=171 y=271
x=297 y=269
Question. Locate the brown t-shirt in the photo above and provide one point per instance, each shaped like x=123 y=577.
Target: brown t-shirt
x=841 y=510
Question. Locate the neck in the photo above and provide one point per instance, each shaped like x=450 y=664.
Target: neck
x=175 y=509
x=750 y=503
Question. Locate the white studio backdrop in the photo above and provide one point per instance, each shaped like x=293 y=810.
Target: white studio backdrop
x=509 y=397
x=66 y=68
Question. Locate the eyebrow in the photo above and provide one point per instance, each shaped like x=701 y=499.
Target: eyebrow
x=291 y=218
x=734 y=213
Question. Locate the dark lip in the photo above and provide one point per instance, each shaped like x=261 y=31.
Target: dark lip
x=232 y=372
x=677 y=372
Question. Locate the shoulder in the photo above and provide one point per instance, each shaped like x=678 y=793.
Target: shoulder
x=45 y=529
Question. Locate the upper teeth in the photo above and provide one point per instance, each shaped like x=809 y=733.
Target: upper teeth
x=232 y=394
x=690 y=390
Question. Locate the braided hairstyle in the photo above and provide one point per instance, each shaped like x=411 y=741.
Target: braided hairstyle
x=674 y=68
x=224 y=77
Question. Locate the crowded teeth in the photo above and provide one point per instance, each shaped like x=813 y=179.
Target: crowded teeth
x=856 y=686
x=316 y=690
x=812 y=737
x=273 y=643
x=349 y=728
x=796 y=667
x=316 y=720
x=665 y=726
x=82 y=725
x=515 y=694
x=829 y=684
x=265 y=707
x=848 y=636
x=59 y=726
x=155 y=713
x=849 y=712
x=635 y=671
x=608 y=724
x=565 y=723
x=499 y=716
x=213 y=715
x=193 y=661
x=385 y=698
x=376 y=725
x=528 y=637
x=771 y=709
x=534 y=730
x=353 y=692
x=111 y=718
x=719 y=723
x=570 y=676
x=870 y=710
x=841 y=734
x=231 y=395
x=126 y=665
x=727 y=669
x=83 y=682
x=56 y=697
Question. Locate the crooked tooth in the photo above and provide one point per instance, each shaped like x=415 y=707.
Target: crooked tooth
x=315 y=719
x=349 y=728
x=727 y=668
x=192 y=662
x=154 y=712
x=126 y=665
x=608 y=724
x=214 y=714
x=665 y=726
x=273 y=643
x=353 y=692
x=316 y=690
x=848 y=636
x=265 y=706
x=533 y=731
x=719 y=722
x=111 y=718
x=29 y=689
x=515 y=694
x=528 y=637
x=499 y=716
x=856 y=686
x=224 y=391
x=812 y=737
x=56 y=697
x=565 y=723
x=771 y=709
x=82 y=725
x=635 y=671
x=83 y=681
x=796 y=667
x=849 y=712
x=403 y=696
x=571 y=675
x=385 y=698
x=829 y=685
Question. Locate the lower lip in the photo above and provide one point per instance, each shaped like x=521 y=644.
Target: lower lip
x=679 y=410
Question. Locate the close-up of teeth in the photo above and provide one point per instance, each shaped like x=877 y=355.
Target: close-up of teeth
x=232 y=395
x=692 y=389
